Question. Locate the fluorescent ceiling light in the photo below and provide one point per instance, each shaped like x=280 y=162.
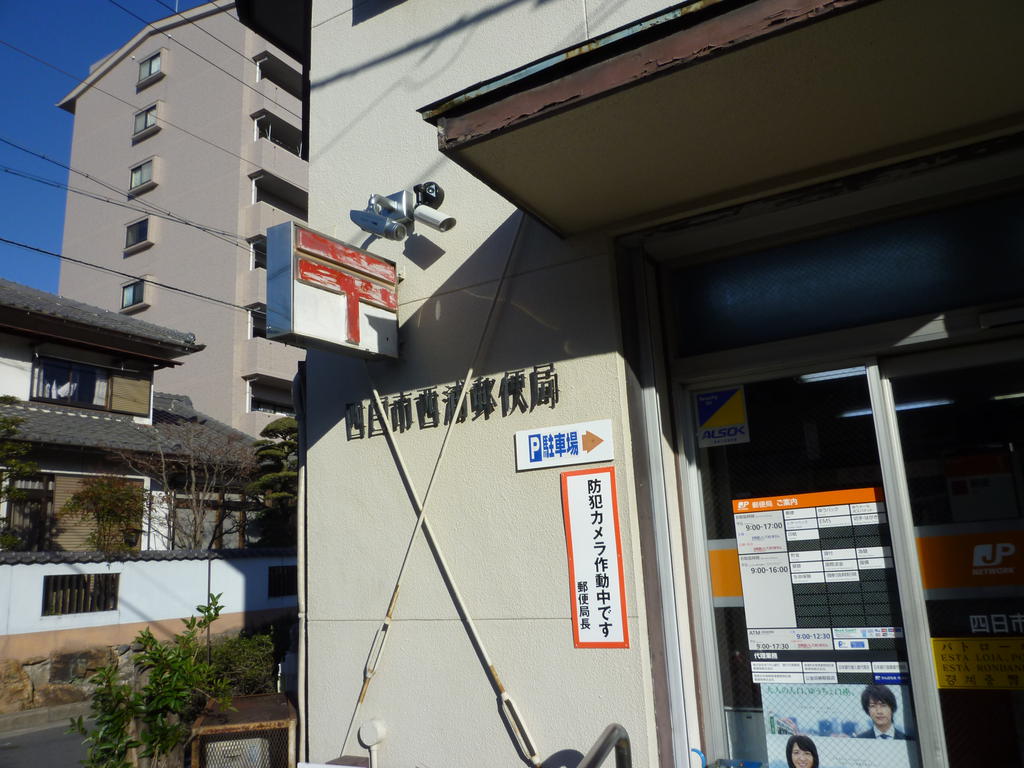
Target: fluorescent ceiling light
x=839 y=373
x=1011 y=396
x=911 y=406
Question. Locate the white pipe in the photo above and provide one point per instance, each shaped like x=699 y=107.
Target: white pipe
x=298 y=397
x=508 y=708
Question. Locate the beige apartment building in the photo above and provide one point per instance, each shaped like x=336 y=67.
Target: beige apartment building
x=191 y=134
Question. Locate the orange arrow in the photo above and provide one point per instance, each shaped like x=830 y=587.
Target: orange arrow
x=591 y=441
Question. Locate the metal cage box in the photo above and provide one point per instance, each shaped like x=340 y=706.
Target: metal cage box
x=259 y=733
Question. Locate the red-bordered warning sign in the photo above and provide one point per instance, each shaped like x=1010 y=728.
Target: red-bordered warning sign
x=594 y=545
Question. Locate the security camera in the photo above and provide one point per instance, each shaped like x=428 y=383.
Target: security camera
x=433 y=218
x=379 y=225
x=429 y=197
x=429 y=193
x=395 y=216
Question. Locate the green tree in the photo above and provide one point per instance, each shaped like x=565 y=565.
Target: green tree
x=14 y=466
x=114 y=506
x=153 y=722
x=276 y=484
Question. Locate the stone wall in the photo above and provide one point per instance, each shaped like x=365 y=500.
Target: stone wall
x=60 y=678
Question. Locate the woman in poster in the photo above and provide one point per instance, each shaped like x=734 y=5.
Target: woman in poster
x=801 y=752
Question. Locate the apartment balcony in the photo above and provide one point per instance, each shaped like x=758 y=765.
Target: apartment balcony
x=280 y=159
x=279 y=101
x=269 y=359
x=252 y=287
x=260 y=216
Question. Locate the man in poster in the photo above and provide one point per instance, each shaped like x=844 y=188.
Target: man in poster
x=879 y=702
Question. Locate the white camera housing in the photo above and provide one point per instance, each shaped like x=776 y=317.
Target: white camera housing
x=433 y=218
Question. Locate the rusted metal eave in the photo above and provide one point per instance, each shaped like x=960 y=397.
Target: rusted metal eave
x=526 y=100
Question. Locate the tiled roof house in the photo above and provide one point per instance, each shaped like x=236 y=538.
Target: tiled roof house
x=79 y=381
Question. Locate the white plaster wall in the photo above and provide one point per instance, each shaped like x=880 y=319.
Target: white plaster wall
x=15 y=366
x=147 y=591
x=501 y=531
x=6 y=582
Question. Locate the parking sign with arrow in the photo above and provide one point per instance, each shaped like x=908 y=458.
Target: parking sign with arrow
x=562 y=446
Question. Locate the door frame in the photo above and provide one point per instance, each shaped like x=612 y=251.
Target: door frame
x=879 y=374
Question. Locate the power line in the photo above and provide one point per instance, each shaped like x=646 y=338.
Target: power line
x=203 y=29
x=199 y=55
x=162 y=120
x=83 y=263
x=119 y=191
x=151 y=208
x=102 y=199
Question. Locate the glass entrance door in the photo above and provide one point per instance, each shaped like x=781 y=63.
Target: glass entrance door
x=962 y=433
x=811 y=658
x=808 y=631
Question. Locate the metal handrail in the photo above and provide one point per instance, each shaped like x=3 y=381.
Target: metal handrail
x=614 y=737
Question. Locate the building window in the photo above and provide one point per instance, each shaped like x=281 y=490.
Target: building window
x=79 y=593
x=67 y=382
x=149 y=68
x=30 y=518
x=133 y=294
x=268 y=397
x=145 y=123
x=282 y=580
x=91 y=386
x=258 y=251
x=136 y=233
x=142 y=176
x=257 y=321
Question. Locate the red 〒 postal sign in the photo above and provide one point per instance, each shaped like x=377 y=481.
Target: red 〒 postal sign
x=594 y=544
x=323 y=292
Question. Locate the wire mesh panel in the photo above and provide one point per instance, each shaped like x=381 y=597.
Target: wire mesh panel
x=256 y=731
x=245 y=749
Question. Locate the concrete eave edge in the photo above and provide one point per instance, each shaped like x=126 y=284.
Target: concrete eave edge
x=600 y=66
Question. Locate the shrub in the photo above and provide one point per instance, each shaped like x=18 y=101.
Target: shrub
x=114 y=507
x=246 y=662
x=153 y=722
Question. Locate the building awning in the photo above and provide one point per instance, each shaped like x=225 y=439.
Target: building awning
x=716 y=101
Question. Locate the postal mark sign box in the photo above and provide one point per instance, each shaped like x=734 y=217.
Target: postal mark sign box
x=322 y=292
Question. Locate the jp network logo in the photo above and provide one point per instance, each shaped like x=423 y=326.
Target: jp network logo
x=989 y=558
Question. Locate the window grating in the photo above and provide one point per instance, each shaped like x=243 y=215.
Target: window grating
x=282 y=580
x=79 y=593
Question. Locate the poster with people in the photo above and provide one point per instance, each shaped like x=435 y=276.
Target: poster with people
x=839 y=726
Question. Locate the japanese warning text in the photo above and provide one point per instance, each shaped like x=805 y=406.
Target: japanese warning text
x=595 y=558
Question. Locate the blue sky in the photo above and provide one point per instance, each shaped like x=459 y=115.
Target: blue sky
x=70 y=35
